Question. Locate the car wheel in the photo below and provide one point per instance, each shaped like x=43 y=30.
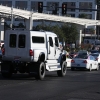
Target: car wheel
x=72 y=69
x=97 y=67
x=7 y=75
x=6 y=70
x=41 y=71
x=62 y=72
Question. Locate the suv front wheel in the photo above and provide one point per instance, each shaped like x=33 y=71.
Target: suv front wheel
x=63 y=70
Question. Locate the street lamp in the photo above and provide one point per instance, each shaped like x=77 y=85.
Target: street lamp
x=11 y=17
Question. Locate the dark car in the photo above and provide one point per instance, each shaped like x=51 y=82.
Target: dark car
x=0 y=56
x=95 y=51
x=73 y=54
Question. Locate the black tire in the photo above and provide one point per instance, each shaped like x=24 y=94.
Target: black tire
x=97 y=68
x=72 y=69
x=6 y=70
x=7 y=75
x=40 y=71
x=63 y=70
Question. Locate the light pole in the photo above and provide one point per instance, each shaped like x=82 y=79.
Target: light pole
x=11 y=17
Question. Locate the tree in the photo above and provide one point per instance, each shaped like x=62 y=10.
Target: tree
x=70 y=32
x=92 y=31
x=66 y=32
x=57 y=29
x=6 y=26
x=83 y=15
x=20 y=25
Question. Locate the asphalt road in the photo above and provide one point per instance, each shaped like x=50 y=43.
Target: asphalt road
x=76 y=85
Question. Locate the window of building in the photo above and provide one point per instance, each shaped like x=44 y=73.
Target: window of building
x=72 y=3
x=21 y=4
x=72 y=15
x=21 y=41
x=84 y=6
x=71 y=10
x=6 y=3
x=34 y=5
x=89 y=16
x=12 y=40
x=52 y=6
x=36 y=39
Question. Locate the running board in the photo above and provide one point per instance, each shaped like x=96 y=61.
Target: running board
x=53 y=67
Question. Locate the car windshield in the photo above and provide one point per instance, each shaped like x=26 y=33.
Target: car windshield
x=82 y=56
x=82 y=53
x=95 y=55
x=94 y=51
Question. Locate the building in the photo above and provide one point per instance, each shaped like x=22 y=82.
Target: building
x=49 y=6
x=75 y=8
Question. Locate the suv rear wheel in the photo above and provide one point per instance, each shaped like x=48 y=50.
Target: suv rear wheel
x=6 y=70
x=40 y=71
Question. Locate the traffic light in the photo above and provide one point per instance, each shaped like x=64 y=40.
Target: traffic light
x=40 y=7
x=64 y=9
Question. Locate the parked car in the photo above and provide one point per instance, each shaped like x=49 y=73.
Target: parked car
x=73 y=54
x=0 y=56
x=97 y=57
x=84 y=62
x=95 y=51
x=84 y=52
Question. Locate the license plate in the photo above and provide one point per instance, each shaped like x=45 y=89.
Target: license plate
x=16 y=60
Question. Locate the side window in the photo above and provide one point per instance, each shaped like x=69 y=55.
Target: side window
x=51 y=41
x=36 y=39
x=12 y=40
x=56 y=42
x=21 y=41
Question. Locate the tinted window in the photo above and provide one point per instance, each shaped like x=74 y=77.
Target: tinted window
x=21 y=41
x=94 y=51
x=51 y=41
x=36 y=39
x=95 y=54
x=82 y=56
x=56 y=41
x=12 y=41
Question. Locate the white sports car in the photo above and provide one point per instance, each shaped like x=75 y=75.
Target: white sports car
x=84 y=62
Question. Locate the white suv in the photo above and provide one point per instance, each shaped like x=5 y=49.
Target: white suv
x=32 y=52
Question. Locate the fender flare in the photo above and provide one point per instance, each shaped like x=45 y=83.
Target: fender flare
x=41 y=57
